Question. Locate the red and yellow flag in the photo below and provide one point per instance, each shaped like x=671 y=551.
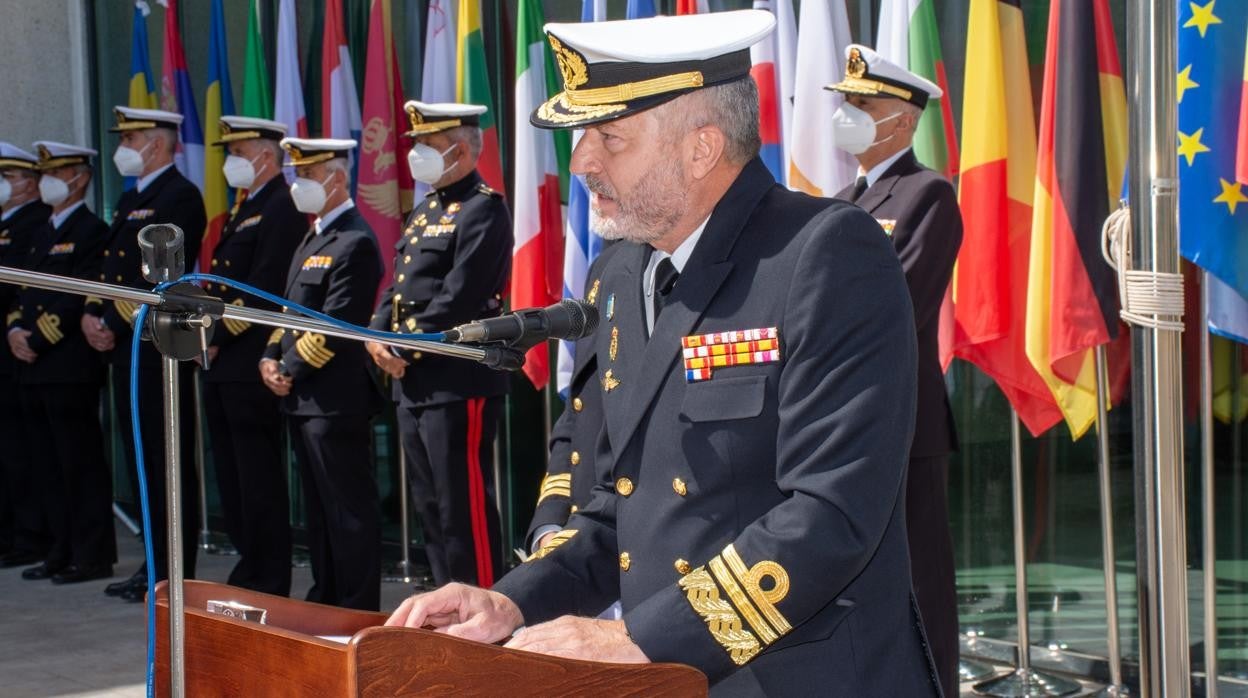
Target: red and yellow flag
x=472 y=86
x=997 y=186
x=1072 y=298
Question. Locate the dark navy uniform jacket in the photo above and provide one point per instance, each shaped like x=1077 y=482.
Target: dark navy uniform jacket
x=170 y=198
x=54 y=319
x=16 y=234
x=256 y=247
x=918 y=209
x=751 y=522
x=451 y=266
x=337 y=273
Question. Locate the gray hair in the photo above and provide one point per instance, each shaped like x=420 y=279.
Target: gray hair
x=470 y=135
x=732 y=106
x=166 y=136
x=339 y=165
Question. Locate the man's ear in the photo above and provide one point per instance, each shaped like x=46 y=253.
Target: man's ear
x=708 y=148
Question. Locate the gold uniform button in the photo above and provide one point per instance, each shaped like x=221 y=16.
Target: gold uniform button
x=105 y=253
x=679 y=486
x=402 y=277
x=121 y=253
x=574 y=509
x=398 y=296
x=215 y=262
x=227 y=264
x=624 y=486
x=626 y=561
x=575 y=458
x=407 y=259
x=577 y=405
x=682 y=566
x=119 y=277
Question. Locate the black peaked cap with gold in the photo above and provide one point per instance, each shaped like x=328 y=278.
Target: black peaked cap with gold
x=243 y=128
x=614 y=69
x=868 y=73
x=427 y=118
x=309 y=151
x=53 y=155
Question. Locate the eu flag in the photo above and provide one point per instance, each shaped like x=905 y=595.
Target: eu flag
x=1213 y=205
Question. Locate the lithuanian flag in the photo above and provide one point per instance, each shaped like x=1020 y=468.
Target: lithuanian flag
x=997 y=186
x=472 y=86
x=1072 y=298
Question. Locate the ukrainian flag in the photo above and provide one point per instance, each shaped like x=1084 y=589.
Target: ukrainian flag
x=142 y=84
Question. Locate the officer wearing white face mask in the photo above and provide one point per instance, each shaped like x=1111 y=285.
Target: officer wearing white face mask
x=917 y=208
x=60 y=377
x=451 y=267
x=23 y=535
x=149 y=138
x=326 y=390
x=244 y=423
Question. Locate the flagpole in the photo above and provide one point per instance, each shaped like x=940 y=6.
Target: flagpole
x=403 y=570
x=1023 y=681
x=1208 y=533
x=1108 y=557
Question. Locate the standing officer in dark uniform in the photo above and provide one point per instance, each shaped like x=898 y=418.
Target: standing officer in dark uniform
x=149 y=138
x=451 y=267
x=61 y=377
x=256 y=247
x=757 y=361
x=23 y=536
x=326 y=390
x=919 y=212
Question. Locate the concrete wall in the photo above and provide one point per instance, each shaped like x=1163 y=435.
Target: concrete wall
x=44 y=79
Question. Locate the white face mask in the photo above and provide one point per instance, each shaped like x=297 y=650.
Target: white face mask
x=54 y=190
x=853 y=130
x=130 y=161
x=309 y=195
x=6 y=191
x=240 y=172
x=428 y=165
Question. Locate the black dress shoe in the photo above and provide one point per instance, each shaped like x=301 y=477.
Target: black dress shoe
x=138 y=579
x=75 y=574
x=135 y=594
x=43 y=570
x=19 y=559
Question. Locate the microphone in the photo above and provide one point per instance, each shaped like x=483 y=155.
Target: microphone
x=567 y=319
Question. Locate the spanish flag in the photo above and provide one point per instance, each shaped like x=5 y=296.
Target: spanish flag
x=472 y=86
x=997 y=186
x=1072 y=299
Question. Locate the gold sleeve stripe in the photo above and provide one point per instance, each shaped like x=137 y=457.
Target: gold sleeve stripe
x=126 y=310
x=233 y=326
x=311 y=348
x=556 y=486
x=50 y=327
x=277 y=335
x=720 y=618
x=13 y=317
x=720 y=571
x=555 y=541
x=751 y=579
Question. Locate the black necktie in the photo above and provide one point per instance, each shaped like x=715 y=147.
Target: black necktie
x=665 y=276
x=860 y=186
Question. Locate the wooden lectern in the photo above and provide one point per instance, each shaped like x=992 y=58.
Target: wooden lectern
x=227 y=656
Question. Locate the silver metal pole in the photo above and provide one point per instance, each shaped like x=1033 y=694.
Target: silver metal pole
x=1108 y=556
x=173 y=507
x=1023 y=681
x=1209 y=522
x=205 y=536
x=403 y=571
x=1161 y=555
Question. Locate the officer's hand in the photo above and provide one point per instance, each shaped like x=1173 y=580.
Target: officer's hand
x=98 y=335
x=394 y=366
x=581 y=638
x=460 y=610
x=273 y=379
x=541 y=542
x=21 y=347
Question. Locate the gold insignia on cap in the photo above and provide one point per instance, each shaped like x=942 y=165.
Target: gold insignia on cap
x=571 y=65
x=856 y=66
x=421 y=127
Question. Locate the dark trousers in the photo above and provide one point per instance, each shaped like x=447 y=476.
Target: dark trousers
x=245 y=427
x=152 y=422
x=73 y=480
x=22 y=527
x=450 y=463
x=342 y=511
x=931 y=563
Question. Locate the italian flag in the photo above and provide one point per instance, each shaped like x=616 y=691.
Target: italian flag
x=472 y=86
x=537 y=266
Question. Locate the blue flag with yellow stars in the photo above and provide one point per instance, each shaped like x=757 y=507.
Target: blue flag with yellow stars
x=1213 y=204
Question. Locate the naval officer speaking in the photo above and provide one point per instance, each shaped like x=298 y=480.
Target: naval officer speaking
x=757 y=363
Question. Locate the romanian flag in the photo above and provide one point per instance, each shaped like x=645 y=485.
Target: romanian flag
x=764 y=70
x=536 y=278
x=1072 y=296
x=997 y=186
x=381 y=183
x=472 y=86
x=177 y=96
x=218 y=102
x=142 y=85
x=257 y=97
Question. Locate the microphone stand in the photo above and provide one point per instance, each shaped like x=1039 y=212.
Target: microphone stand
x=180 y=323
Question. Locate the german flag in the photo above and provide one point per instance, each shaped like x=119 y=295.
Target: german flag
x=1072 y=298
x=997 y=187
